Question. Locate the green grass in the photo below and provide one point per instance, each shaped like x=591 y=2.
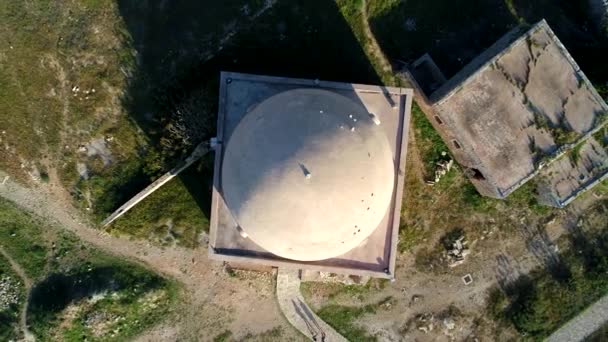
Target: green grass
x=334 y=292
x=602 y=187
x=50 y=43
x=524 y=199
x=149 y=219
x=430 y=144
x=410 y=237
x=9 y=317
x=22 y=238
x=342 y=318
x=575 y=153
x=601 y=137
x=272 y=335
x=223 y=337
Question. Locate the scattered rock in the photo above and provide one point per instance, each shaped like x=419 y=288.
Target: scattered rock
x=458 y=253
x=441 y=169
x=449 y=323
x=8 y=293
x=83 y=171
x=98 y=147
x=425 y=322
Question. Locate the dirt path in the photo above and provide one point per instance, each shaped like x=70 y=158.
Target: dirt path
x=373 y=46
x=27 y=282
x=213 y=301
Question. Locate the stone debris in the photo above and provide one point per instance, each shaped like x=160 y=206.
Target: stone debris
x=415 y=299
x=83 y=170
x=425 y=322
x=449 y=323
x=441 y=169
x=456 y=256
x=8 y=293
x=328 y=277
x=99 y=147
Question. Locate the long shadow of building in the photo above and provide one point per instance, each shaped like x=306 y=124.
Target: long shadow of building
x=182 y=46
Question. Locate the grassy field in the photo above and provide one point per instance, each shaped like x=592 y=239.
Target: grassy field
x=538 y=304
x=80 y=292
x=22 y=238
x=343 y=318
x=333 y=310
x=171 y=215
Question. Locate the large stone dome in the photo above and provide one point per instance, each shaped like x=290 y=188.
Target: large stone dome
x=307 y=174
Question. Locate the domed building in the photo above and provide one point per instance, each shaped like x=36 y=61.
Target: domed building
x=309 y=174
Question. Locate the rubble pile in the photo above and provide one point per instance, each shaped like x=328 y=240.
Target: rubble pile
x=458 y=253
x=8 y=293
x=425 y=322
x=441 y=169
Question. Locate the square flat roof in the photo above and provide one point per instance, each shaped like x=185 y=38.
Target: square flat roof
x=517 y=107
x=376 y=256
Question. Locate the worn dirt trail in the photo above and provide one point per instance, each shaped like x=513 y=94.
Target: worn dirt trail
x=213 y=301
x=373 y=46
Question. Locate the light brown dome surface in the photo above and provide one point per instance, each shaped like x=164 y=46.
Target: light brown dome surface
x=307 y=174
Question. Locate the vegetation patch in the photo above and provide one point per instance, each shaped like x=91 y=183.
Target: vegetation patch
x=79 y=293
x=100 y=300
x=335 y=292
x=601 y=137
x=22 y=238
x=223 y=337
x=169 y=216
x=430 y=144
x=526 y=198
x=272 y=335
x=343 y=319
x=575 y=153
x=538 y=304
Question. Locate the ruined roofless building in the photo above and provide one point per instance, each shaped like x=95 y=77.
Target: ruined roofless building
x=309 y=174
x=522 y=109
